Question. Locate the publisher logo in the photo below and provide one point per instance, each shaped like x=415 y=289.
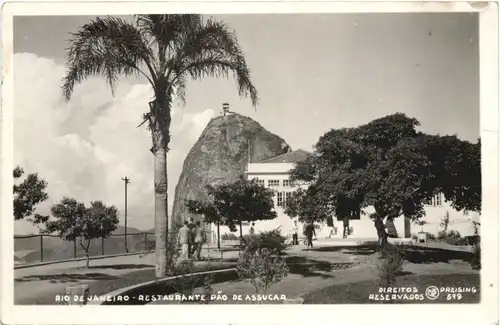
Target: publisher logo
x=432 y=292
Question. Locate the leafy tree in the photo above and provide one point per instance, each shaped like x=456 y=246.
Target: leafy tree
x=233 y=203
x=389 y=165
x=27 y=194
x=73 y=220
x=166 y=50
x=307 y=204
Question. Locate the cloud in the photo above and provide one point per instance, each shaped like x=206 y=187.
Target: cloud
x=83 y=147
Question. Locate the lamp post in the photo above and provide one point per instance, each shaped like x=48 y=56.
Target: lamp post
x=127 y=181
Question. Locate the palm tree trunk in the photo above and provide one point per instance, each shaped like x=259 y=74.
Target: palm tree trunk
x=218 y=234
x=161 y=210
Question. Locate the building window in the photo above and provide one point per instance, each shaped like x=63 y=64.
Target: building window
x=288 y=196
x=287 y=183
x=273 y=182
x=260 y=182
x=279 y=199
x=436 y=201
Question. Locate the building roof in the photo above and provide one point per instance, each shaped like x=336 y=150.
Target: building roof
x=289 y=157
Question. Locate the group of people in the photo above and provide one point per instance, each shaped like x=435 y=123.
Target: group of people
x=191 y=238
x=310 y=231
x=384 y=230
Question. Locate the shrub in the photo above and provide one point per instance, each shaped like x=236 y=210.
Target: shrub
x=431 y=236
x=207 y=288
x=452 y=237
x=272 y=240
x=186 y=283
x=229 y=236
x=261 y=268
x=414 y=237
x=391 y=266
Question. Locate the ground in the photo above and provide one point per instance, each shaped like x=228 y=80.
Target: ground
x=324 y=273
x=41 y=284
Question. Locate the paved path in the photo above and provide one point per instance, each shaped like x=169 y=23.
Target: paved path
x=34 y=283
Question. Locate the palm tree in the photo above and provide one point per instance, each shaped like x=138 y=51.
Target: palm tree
x=167 y=50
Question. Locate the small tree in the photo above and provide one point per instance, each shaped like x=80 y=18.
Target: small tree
x=73 y=220
x=27 y=194
x=262 y=269
x=233 y=203
x=445 y=222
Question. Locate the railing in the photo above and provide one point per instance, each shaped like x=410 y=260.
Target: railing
x=48 y=248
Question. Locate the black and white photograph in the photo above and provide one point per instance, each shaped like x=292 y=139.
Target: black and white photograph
x=326 y=158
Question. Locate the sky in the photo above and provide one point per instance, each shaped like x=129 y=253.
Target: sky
x=313 y=72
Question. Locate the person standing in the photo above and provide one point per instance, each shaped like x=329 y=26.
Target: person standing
x=199 y=239
x=252 y=229
x=346 y=226
x=183 y=239
x=310 y=232
x=295 y=233
x=191 y=247
x=331 y=226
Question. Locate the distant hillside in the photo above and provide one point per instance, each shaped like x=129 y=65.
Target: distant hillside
x=27 y=250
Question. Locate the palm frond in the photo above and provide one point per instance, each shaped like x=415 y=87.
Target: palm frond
x=106 y=46
x=165 y=32
x=212 y=49
x=180 y=89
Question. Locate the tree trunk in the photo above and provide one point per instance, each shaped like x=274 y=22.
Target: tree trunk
x=380 y=228
x=161 y=210
x=407 y=227
x=241 y=230
x=86 y=250
x=218 y=234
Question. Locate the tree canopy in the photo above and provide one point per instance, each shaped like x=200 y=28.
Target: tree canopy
x=233 y=203
x=75 y=221
x=27 y=194
x=390 y=165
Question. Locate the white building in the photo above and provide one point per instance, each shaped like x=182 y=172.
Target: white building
x=274 y=173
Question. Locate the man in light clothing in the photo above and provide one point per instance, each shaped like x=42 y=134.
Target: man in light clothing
x=295 y=233
x=184 y=239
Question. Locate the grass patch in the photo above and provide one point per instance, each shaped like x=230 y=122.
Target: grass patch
x=359 y=293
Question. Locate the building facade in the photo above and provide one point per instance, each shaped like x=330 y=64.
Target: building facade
x=274 y=173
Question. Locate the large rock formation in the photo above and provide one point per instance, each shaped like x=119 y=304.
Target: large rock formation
x=221 y=154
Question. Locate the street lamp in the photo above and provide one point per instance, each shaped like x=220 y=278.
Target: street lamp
x=127 y=181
